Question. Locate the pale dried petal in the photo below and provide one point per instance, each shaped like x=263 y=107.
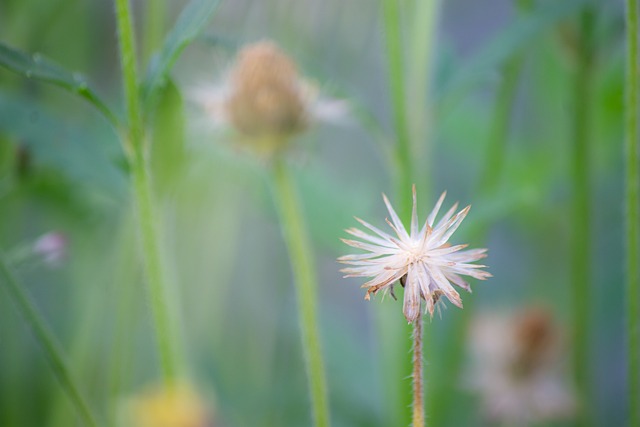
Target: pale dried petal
x=430 y=266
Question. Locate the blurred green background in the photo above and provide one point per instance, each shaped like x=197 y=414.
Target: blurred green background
x=497 y=105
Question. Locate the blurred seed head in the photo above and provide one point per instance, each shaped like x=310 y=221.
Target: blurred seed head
x=517 y=367
x=266 y=97
x=535 y=333
x=266 y=101
x=177 y=406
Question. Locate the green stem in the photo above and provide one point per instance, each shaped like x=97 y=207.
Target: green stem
x=304 y=272
x=580 y=212
x=154 y=270
x=633 y=212
x=418 y=385
x=126 y=315
x=134 y=138
x=154 y=27
x=47 y=342
x=397 y=89
x=424 y=34
x=395 y=349
x=143 y=194
x=499 y=132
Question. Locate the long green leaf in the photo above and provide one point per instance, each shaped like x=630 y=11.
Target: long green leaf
x=190 y=23
x=50 y=347
x=60 y=144
x=38 y=67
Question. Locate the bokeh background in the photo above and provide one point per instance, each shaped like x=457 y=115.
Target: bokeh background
x=495 y=125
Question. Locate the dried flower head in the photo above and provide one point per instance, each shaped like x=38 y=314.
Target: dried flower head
x=266 y=97
x=266 y=101
x=518 y=368
x=177 y=406
x=422 y=259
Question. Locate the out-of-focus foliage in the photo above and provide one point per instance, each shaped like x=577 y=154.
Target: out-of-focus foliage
x=61 y=169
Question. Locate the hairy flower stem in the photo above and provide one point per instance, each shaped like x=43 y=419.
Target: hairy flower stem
x=580 y=211
x=633 y=211
x=418 y=386
x=304 y=274
x=47 y=342
x=134 y=144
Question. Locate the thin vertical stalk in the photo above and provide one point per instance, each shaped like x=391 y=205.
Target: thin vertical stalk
x=304 y=273
x=134 y=138
x=154 y=270
x=633 y=212
x=391 y=327
x=420 y=68
x=126 y=315
x=154 y=24
x=397 y=90
x=143 y=195
x=47 y=342
x=499 y=131
x=418 y=384
x=580 y=209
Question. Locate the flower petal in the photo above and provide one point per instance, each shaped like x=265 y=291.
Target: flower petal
x=414 y=214
x=374 y=229
x=380 y=250
x=411 y=303
x=402 y=232
x=443 y=283
x=436 y=209
x=372 y=239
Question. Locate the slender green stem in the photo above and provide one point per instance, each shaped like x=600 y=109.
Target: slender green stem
x=154 y=271
x=304 y=272
x=47 y=342
x=395 y=349
x=633 y=212
x=126 y=315
x=130 y=74
x=143 y=194
x=153 y=26
x=418 y=384
x=398 y=102
x=499 y=132
x=423 y=45
x=580 y=212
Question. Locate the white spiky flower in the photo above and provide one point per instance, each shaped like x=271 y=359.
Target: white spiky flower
x=422 y=259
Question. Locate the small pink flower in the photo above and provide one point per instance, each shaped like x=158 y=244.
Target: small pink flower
x=52 y=247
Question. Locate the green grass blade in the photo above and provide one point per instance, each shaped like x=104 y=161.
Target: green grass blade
x=190 y=23
x=632 y=196
x=45 y=338
x=40 y=68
